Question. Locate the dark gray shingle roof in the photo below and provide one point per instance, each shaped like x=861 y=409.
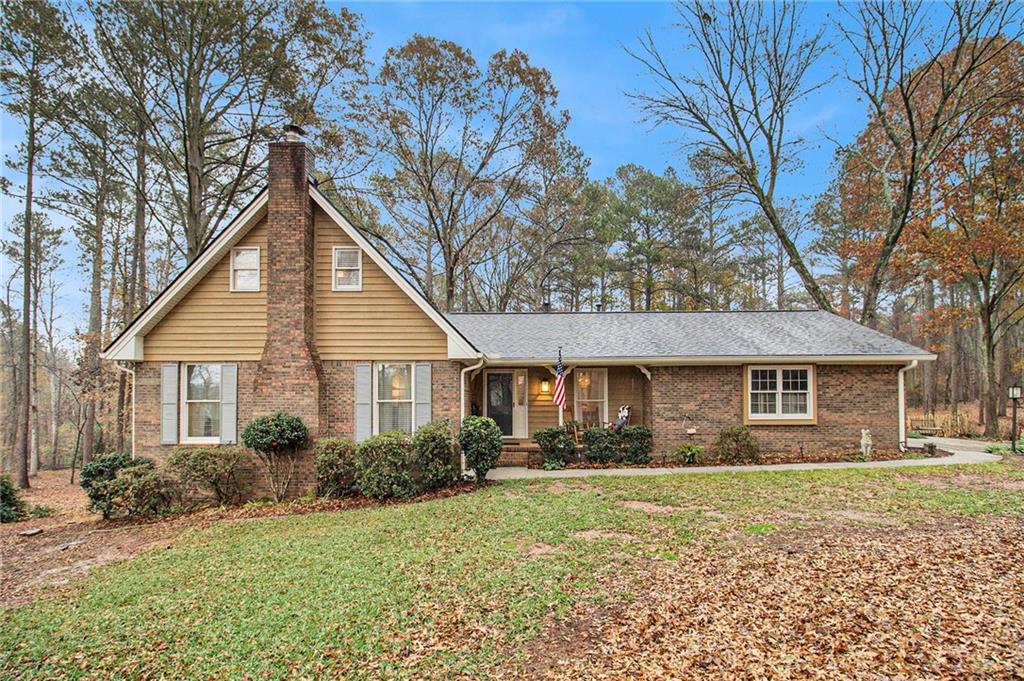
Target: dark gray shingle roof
x=803 y=333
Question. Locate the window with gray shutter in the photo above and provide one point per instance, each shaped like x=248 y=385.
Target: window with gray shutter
x=228 y=404
x=169 y=404
x=363 y=401
x=424 y=389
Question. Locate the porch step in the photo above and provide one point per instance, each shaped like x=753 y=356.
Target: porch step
x=518 y=453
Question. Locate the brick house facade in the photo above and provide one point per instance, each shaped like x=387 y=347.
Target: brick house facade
x=292 y=309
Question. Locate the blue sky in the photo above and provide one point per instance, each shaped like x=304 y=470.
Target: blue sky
x=583 y=45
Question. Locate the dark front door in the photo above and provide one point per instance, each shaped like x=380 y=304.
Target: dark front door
x=499 y=401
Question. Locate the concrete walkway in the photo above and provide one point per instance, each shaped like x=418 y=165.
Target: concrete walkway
x=961 y=452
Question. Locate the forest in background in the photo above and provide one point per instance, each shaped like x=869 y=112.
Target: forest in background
x=145 y=126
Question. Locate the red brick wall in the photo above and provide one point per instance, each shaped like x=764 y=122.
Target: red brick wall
x=339 y=401
x=849 y=397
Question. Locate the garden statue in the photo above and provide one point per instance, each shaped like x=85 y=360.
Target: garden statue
x=865 y=442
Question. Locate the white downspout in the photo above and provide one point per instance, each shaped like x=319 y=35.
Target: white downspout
x=462 y=406
x=130 y=372
x=901 y=389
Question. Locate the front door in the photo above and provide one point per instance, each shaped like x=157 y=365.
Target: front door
x=505 y=401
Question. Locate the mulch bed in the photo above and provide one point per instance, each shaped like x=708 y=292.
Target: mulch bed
x=936 y=601
x=766 y=458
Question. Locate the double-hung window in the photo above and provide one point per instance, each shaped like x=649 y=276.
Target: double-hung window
x=200 y=412
x=780 y=393
x=393 y=397
x=591 y=395
x=245 y=268
x=347 y=268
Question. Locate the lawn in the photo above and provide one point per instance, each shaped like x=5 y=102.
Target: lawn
x=883 y=571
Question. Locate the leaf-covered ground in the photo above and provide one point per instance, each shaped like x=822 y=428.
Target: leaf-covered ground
x=880 y=573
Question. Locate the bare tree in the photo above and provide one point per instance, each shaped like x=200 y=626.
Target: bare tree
x=756 y=67
x=454 y=145
x=924 y=82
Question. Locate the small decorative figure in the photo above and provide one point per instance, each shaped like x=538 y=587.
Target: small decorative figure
x=865 y=442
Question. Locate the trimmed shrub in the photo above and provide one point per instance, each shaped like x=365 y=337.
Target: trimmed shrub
x=636 y=445
x=335 y=464
x=102 y=470
x=688 y=454
x=480 y=439
x=736 y=444
x=433 y=447
x=138 y=491
x=210 y=469
x=276 y=440
x=601 y=445
x=556 y=447
x=383 y=467
x=12 y=506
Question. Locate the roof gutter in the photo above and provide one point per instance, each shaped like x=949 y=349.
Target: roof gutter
x=462 y=406
x=718 y=360
x=901 y=391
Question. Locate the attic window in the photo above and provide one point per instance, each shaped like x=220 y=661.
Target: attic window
x=348 y=269
x=245 y=268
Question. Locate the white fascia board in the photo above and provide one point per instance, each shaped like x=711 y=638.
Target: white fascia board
x=498 y=360
x=458 y=346
x=129 y=345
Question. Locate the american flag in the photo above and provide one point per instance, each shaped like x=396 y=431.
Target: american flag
x=560 y=382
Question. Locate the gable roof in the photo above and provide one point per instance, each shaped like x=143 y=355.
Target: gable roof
x=129 y=344
x=675 y=337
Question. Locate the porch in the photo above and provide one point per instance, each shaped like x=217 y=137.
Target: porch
x=520 y=399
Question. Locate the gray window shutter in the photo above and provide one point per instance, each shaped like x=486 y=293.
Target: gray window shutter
x=363 y=402
x=228 y=404
x=423 y=394
x=169 y=404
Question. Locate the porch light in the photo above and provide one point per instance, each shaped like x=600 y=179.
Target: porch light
x=584 y=379
x=545 y=386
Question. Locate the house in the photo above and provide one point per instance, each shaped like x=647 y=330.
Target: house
x=290 y=308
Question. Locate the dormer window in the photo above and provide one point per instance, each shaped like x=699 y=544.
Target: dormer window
x=245 y=268
x=348 y=269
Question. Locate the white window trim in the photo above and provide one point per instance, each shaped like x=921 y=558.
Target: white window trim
x=808 y=416
x=412 y=394
x=335 y=268
x=576 y=393
x=183 y=436
x=231 y=272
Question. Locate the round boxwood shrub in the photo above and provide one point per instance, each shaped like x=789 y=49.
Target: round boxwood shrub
x=433 y=447
x=556 y=447
x=384 y=467
x=480 y=439
x=737 y=445
x=210 y=469
x=636 y=445
x=276 y=440
x=102 y=470
x=600 y=445
x=139 y=490
x=12 y=506
x=335 y=466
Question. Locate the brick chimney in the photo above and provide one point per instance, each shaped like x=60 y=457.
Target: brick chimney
x=289 y=376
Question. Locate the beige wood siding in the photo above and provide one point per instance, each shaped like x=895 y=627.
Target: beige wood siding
x=380 y=322
x=213 y=323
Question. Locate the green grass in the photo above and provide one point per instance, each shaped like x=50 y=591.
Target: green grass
x=371 y=593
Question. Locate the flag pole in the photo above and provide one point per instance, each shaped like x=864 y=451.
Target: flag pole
x=561 y=411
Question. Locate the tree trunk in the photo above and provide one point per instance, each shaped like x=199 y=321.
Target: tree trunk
x=929 y=368
x=954 y=367
x=56 y=394
x=21 y=440
x=95 y=327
